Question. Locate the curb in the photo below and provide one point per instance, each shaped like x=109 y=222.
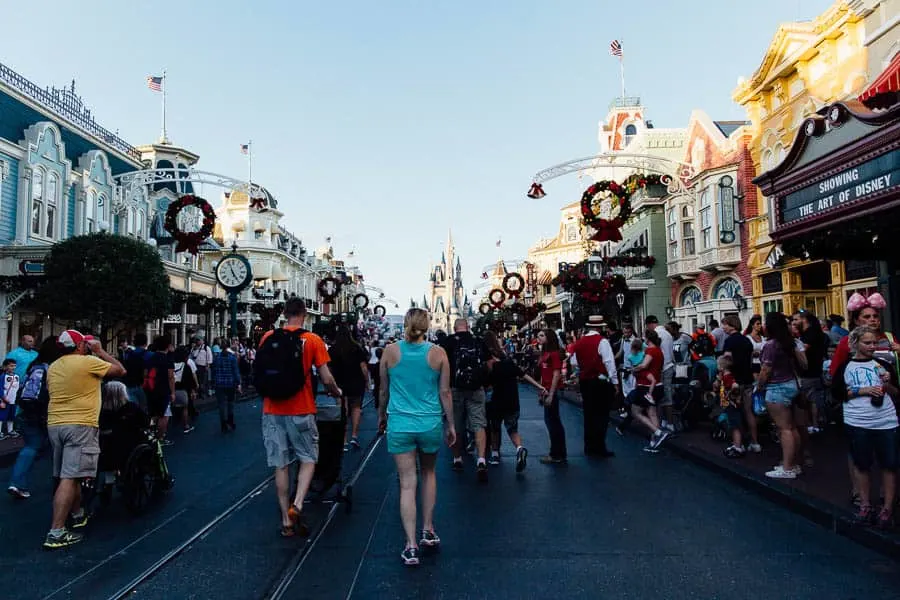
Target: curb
x=8 y=459
x=820 y=512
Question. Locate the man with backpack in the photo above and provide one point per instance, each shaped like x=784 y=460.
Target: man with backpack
x=468 y=375
x=283 y=377
x=135 y=364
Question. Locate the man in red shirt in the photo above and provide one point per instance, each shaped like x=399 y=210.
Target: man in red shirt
x=289 y=425
x=597 y=378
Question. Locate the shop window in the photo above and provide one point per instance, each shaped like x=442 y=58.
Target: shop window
x=817 y=305
x=860 y=269
x=771 y=282
x=773 y=306
x=816 y=276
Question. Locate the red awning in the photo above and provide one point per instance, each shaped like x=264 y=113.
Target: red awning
x=886 y=85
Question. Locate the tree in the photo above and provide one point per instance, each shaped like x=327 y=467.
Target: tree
x=109 y=280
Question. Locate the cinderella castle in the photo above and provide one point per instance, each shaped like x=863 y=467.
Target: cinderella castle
x=445 y=287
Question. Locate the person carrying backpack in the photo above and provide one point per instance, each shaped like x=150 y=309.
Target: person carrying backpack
x=33 y=402
x=227 y=383
x=468 y=375
x=283 y=377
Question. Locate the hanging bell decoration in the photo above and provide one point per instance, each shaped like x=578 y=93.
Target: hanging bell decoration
x=536 y=191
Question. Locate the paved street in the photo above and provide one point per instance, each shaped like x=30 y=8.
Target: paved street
x=637 y=526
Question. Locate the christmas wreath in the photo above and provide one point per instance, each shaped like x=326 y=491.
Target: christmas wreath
x=639 y=180
x=484 y=308
x=189 y=241
x=497 y=297
x=591 y=202
x=323 y=287
x=361 y=301
x=513 y=292
x=379 y=311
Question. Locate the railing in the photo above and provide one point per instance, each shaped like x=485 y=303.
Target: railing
x=680 y=267
x=720 y=256
x=67 y=105
x=625 y=102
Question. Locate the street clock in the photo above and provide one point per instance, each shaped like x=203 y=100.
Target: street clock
x=234 y=273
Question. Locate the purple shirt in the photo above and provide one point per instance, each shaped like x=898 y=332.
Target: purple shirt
x=781 y=363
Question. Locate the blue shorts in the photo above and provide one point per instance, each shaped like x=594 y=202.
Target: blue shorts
x=782 y=393
x=426 y=442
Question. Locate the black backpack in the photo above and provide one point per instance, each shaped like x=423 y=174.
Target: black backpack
x=469 y=365
x=278 y=371
x=34 y=397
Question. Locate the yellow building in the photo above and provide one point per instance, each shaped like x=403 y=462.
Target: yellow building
x=807 y=66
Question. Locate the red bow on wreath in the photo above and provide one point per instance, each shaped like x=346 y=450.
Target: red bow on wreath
x=607 y=231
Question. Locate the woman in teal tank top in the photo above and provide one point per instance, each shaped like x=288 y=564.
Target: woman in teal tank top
x=415 y=397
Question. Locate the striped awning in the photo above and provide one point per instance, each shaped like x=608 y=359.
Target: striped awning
x=545 y=278
x=885 y=90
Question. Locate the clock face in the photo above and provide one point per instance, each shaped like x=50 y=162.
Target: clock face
x=232 y=272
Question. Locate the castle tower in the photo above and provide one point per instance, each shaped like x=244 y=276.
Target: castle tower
x=445 y=288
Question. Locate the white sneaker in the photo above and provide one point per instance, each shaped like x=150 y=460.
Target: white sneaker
x=756 y=448
x=779 y=473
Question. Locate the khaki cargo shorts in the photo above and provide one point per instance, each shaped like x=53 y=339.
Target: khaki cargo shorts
x=76 y=450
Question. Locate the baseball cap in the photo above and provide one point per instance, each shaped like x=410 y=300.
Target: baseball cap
x=650 y=320
x=70 y=338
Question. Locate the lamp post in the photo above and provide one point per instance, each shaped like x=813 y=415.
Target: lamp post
x=740 y=303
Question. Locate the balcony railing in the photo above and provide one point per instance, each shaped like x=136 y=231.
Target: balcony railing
x=719 y=258
x=683 y=267
x=625 y=102
x=68 y=106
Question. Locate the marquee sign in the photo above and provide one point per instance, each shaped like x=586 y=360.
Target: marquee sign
x=850 y=185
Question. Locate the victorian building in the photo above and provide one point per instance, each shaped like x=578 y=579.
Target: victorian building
x=446 y=297
x=706 y=239
x=807 y=66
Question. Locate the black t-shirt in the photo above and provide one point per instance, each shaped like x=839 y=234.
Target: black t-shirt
x=462 y=338
x=815 y=354
x=504 y=379
x=741 y=349
x=163 y=363
x=346 y=370
x=135 y=362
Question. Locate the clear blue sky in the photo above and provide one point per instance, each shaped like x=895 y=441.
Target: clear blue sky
x=384 y=123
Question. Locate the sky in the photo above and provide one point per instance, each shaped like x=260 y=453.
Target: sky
x=385 y=124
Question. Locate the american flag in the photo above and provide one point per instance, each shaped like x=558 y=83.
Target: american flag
x=615 y=48
x=154 y=83
x=245 y=148
x=498 y=243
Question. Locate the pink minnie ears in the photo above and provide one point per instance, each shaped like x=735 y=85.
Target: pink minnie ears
x=858 y=302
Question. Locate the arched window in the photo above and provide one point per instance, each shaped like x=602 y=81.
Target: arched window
x=90 y=212
x=51 y=198
x=37 y=200
x=691 y=295
x=672 y=232
x=101 y=207
x=727 y=288
x=630 y=132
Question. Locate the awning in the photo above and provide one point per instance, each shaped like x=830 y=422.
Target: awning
x=885 y=90
x=545 y=279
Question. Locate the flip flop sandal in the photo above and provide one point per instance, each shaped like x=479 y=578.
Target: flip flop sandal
x=287 y=531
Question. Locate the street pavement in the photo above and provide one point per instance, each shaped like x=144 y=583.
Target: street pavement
x=635 y=526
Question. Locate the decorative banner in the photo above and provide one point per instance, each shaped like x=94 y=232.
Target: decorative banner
x=329 y=288
x=513 y=284
x=361 y=301
x=379 y=311
x=497 y=297
x=189 y=241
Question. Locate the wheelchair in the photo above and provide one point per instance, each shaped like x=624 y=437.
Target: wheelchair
x=131 y=461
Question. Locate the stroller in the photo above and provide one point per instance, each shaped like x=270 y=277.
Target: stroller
x=693 y=386
x=331 y=421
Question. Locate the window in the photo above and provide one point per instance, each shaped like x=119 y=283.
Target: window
x=90 y=212
x=771 y=282
x=687 y=235
x=773 y=306
x=140 y=223
x=706 y=220
x=691 y=296
x=630 y=132
x=257 y=235
x=672 y=232
x=727 y=288
x=51 y=198
x=101 y=208
x=547 y=290
x=37 y=194
x=571 y=232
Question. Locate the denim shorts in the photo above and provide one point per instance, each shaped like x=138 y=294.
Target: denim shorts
x=426 y=442
x=782 y=393
x=866 y=444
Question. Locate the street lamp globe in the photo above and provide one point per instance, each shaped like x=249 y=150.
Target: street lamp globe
x=595 y=266
x=620 y=300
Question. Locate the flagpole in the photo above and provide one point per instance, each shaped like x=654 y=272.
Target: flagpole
x=249 y=166
x=622 y=73
x=164 y=139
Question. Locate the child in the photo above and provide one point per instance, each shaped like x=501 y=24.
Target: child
x=629 y=382
x=8 y=401
x=730 y=402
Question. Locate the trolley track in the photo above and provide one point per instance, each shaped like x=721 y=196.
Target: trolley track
x=168 y=560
